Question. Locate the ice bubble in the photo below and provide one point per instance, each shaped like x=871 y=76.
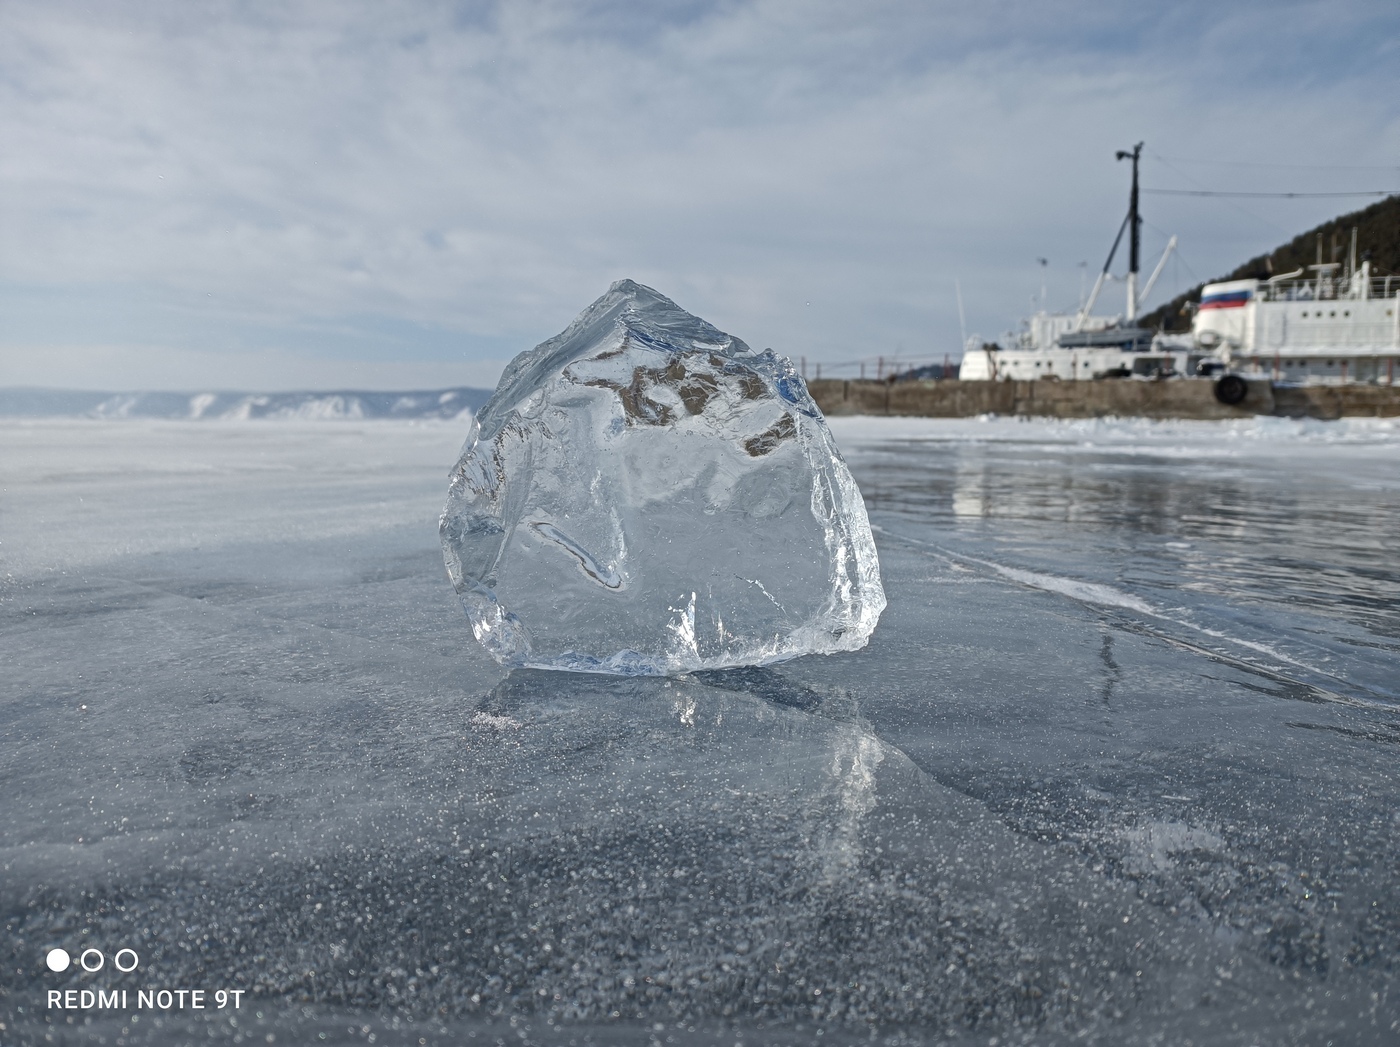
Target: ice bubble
x=646 y=495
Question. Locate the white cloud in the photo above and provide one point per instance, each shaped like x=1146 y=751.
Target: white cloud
x=257 y=181
x=130 y=368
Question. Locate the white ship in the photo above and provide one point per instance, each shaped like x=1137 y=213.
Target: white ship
x=1326 y=324
x=1080 y=346
x=1059 y=346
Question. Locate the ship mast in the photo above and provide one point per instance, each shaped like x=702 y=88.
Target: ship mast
x=1134 y=234
x=1132 y=222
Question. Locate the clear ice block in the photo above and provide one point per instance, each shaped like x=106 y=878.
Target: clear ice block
x=646 y=495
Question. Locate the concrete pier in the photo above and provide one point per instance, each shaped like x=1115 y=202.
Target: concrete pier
x=1172 y=398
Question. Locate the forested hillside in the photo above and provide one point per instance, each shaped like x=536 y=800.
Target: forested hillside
x=1378 y=233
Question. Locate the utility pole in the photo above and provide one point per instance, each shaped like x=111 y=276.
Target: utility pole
x=1134 y=233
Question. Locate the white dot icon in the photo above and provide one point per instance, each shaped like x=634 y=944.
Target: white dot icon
x=58 y=960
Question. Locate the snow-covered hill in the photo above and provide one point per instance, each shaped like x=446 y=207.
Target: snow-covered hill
x=346 y=404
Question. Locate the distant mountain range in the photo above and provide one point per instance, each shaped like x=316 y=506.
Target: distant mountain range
x=347 y=404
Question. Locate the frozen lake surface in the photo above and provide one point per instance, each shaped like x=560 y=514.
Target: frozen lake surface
x=1118 y=766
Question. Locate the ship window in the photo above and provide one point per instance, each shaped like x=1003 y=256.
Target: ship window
x=1332 y=313
x=1305 y=314
x=1347 y=313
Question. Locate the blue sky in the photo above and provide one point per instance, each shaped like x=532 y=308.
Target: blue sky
x=300 y=195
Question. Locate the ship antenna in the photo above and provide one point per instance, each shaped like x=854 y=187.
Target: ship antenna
x=1134 y=232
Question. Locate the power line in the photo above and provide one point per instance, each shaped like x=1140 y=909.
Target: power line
x=1282 y=167
x=1212 y=192
x=1227 y=202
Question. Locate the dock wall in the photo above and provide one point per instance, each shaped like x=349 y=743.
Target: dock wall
x=1181 y=398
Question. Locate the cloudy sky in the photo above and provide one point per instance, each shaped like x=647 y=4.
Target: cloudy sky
x=331 y=194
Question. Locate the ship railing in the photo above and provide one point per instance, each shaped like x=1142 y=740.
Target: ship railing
x=1327 y=288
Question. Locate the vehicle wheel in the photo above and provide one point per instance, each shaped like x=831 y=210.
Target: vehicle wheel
x=1231 y=389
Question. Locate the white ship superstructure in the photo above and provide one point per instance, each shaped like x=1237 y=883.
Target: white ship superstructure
x=1055 y=346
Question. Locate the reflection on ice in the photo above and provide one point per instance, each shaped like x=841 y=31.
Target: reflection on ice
x=1266 y=539
x=1152 y=847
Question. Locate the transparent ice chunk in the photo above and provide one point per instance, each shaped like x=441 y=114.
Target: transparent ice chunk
x=646 y=495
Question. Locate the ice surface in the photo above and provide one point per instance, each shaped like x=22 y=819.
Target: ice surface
x=646 y=495
x=242 y=736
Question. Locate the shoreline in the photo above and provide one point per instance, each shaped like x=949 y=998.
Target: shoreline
x=1103 y=398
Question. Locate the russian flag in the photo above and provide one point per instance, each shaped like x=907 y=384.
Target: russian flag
x=1225 y=300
